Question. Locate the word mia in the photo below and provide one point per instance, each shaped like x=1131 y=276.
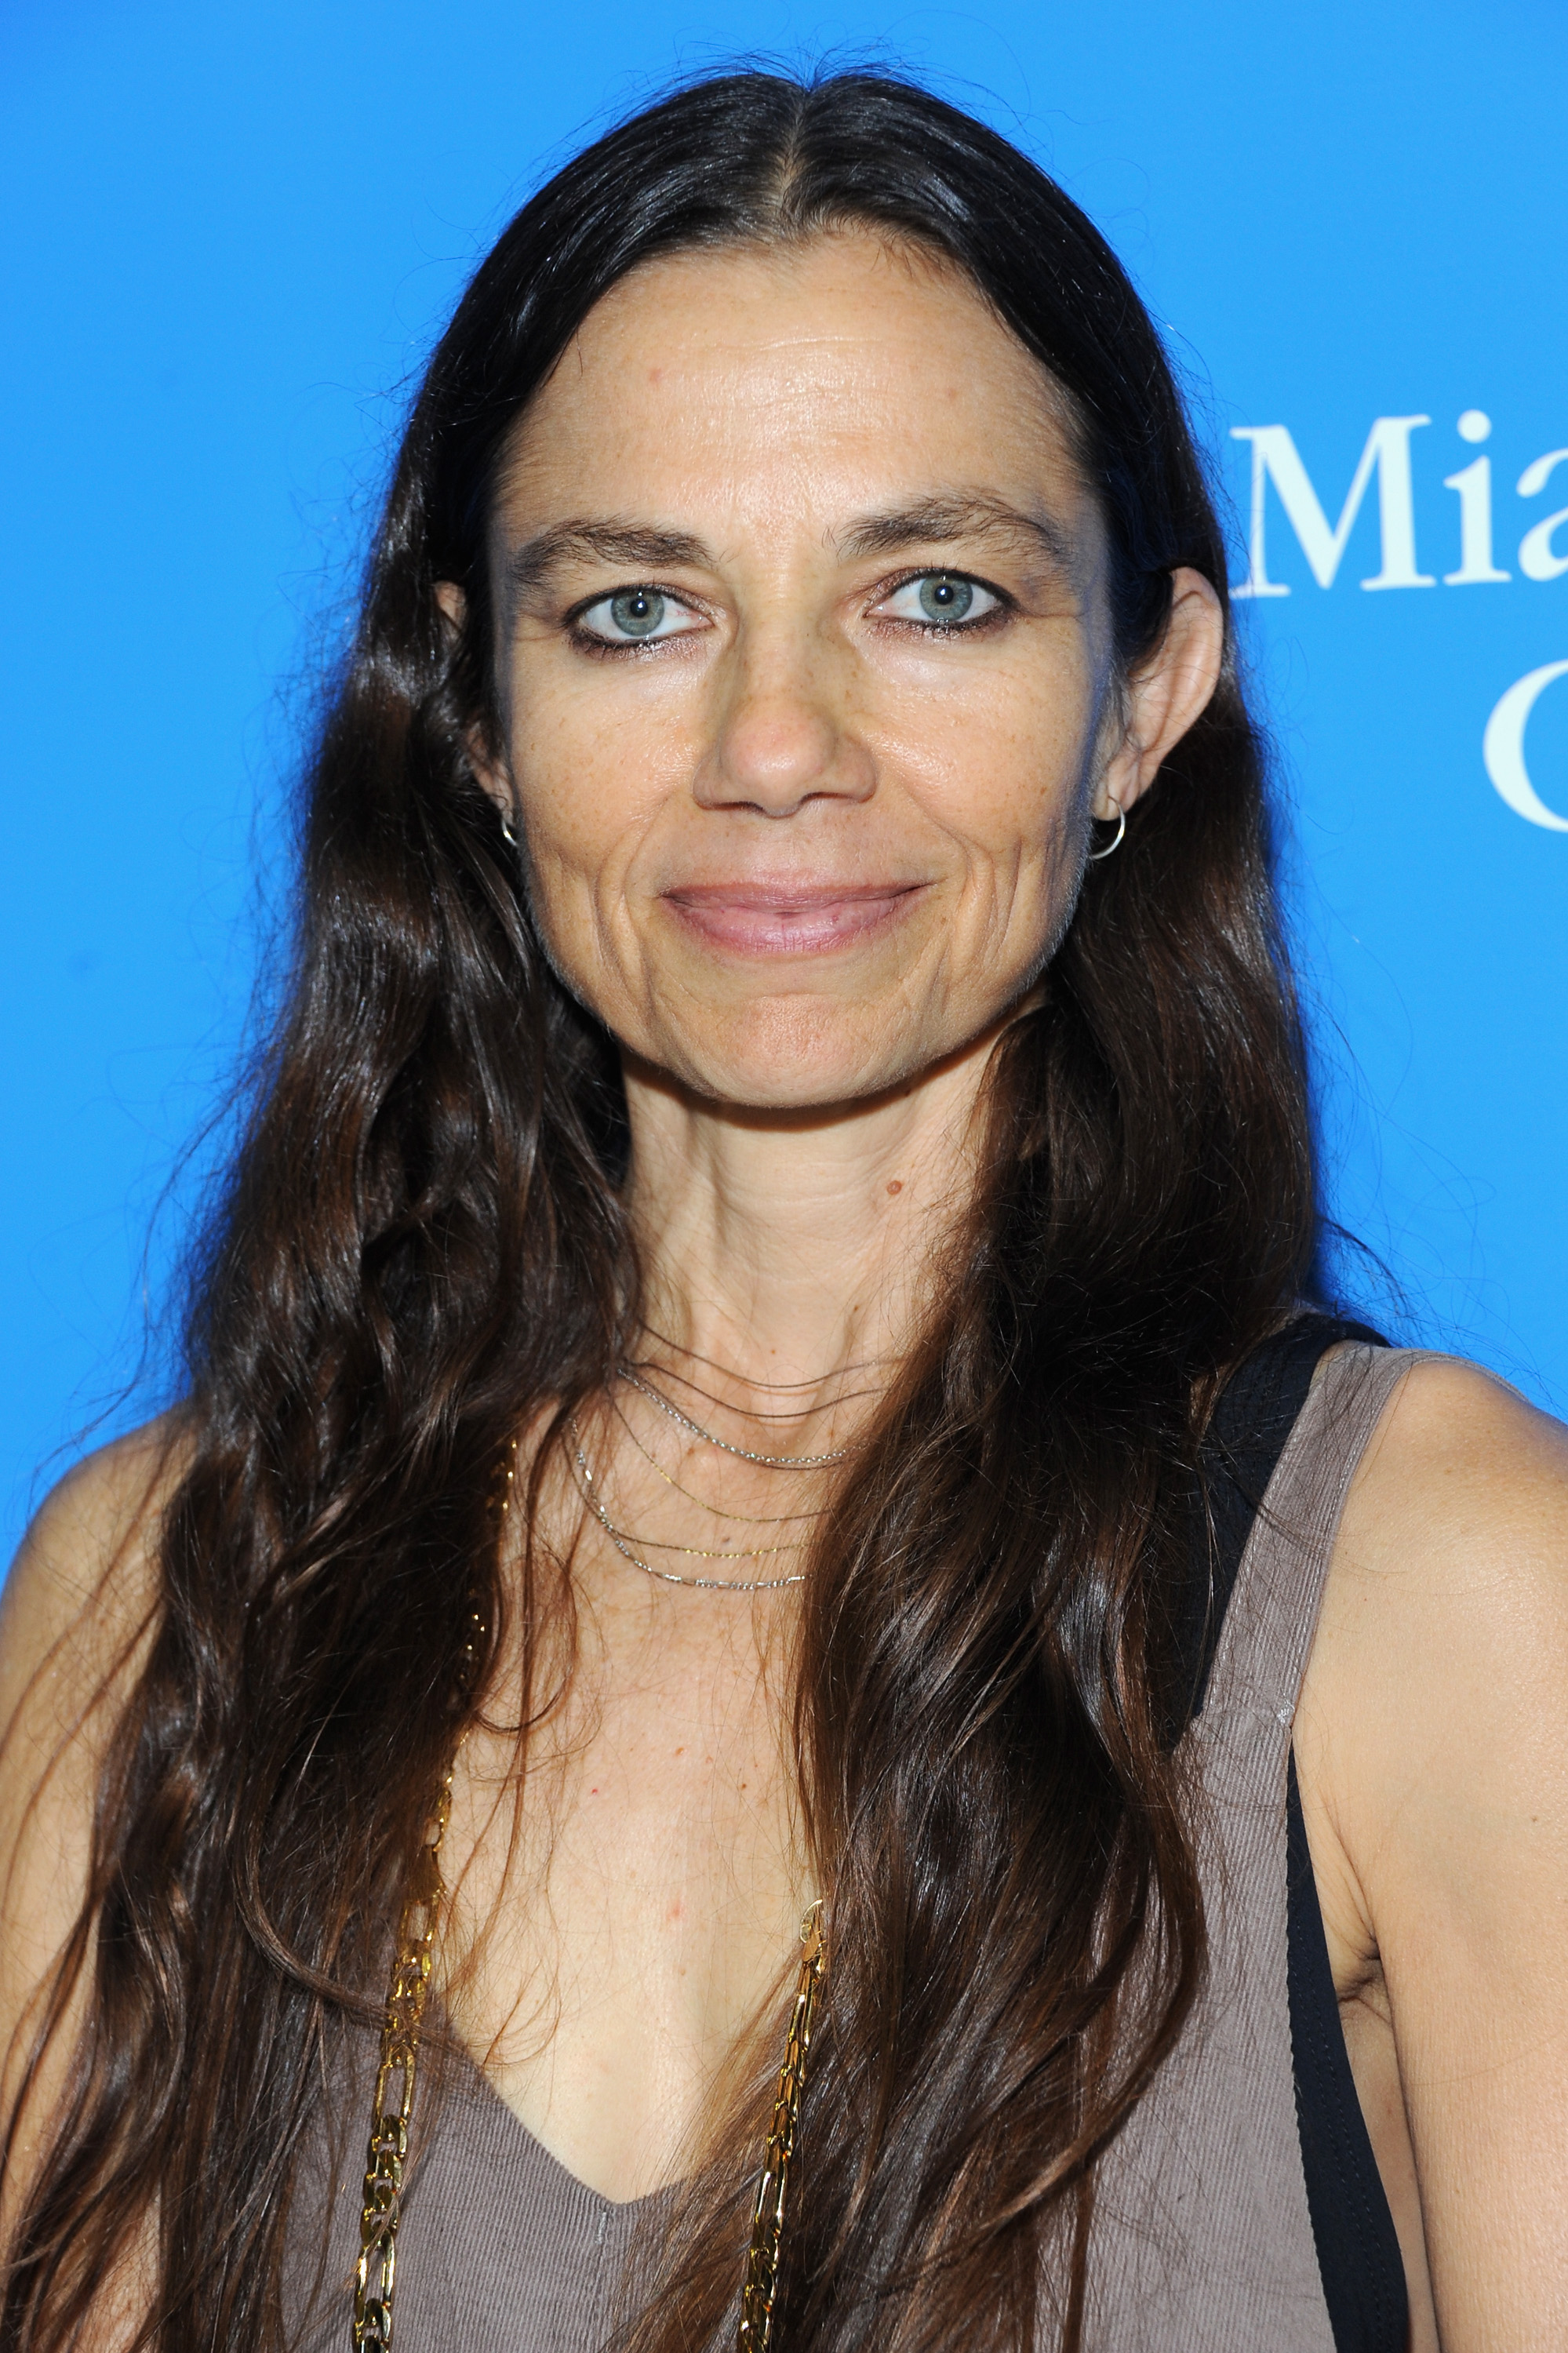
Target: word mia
x=1274 y=458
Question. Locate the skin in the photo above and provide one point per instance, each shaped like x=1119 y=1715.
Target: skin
x=804 y=857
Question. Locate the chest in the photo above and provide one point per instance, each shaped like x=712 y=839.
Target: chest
x=627 y=1881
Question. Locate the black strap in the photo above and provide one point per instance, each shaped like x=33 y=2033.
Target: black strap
x=1255 y=1414
x=1359 y=2256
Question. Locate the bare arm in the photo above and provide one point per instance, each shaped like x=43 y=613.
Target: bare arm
x=1433 y=1740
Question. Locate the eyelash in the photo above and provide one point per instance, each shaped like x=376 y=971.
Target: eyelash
x=1001 y=612
x=617 y=649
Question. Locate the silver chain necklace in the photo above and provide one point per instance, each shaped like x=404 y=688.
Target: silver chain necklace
x=622 y=1544
x=766 y=1462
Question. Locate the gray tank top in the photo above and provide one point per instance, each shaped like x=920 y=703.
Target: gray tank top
x=1202 y=2239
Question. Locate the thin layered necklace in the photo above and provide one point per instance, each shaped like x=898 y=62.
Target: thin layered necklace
x=645 y=1378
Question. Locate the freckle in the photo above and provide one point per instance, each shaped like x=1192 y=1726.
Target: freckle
x=895 y=1184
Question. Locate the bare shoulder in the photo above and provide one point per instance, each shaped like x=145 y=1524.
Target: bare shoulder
x=78 y=1609
x=1431 y=1734
x=76 y=1617
x=1462 y=1463
x=84 y=1582
x=1447 y=1594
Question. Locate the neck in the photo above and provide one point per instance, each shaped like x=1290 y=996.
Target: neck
x=788 y=1246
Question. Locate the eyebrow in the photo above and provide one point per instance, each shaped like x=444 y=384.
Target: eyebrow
x=636 y=545
x=937 y=521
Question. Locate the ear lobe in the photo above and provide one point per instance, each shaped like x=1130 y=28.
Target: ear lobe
x=454 y=607
x=1171 y=691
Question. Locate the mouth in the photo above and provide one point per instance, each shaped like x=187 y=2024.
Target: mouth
x=790 y=919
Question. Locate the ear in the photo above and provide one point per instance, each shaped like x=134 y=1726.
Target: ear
x=491 y=774
x=1162 y=699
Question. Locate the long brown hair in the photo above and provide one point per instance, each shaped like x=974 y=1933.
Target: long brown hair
x=422 y=1243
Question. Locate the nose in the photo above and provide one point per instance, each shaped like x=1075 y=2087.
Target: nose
x=782 y=739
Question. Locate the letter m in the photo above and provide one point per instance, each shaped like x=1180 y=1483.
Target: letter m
x=1274 y=460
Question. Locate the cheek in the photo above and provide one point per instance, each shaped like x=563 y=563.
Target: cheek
x=1006 y=773
x=586 y=789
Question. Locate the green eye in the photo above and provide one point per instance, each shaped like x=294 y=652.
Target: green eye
x=637 y=612
x=945 y=597
x=941 y=600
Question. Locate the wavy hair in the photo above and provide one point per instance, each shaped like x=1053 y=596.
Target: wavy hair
x=423 y=1244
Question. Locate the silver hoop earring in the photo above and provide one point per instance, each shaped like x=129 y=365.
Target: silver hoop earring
x=1116 y=841
x=507 y=835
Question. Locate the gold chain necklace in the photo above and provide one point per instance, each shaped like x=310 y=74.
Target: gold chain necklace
x=719 y=1511
x=761 y=2287
x=392 y=2102
x=623 y=1545
x=376 y=2273
x=627 y=1544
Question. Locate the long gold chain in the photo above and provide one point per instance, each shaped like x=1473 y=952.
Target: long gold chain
x=392 y=2103
x=762 y=2284
x=390 y=2109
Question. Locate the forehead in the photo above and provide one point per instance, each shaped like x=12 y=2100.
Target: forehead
x=836 y=372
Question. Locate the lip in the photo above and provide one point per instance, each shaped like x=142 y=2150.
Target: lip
x=789 y=918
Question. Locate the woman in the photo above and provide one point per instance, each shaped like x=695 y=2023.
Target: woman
x=732 y=1390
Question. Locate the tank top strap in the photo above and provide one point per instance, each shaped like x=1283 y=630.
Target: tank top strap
x=1269 y=1626
x=1202 y=2236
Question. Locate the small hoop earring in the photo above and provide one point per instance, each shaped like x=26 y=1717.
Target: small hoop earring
x=1114 y=843
x=507 y=835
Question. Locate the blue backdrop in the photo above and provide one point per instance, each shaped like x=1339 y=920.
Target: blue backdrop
x=229 y=235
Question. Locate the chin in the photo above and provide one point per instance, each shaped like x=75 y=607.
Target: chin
x=798 y=1064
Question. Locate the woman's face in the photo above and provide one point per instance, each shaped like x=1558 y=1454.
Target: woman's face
x=806 y=677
